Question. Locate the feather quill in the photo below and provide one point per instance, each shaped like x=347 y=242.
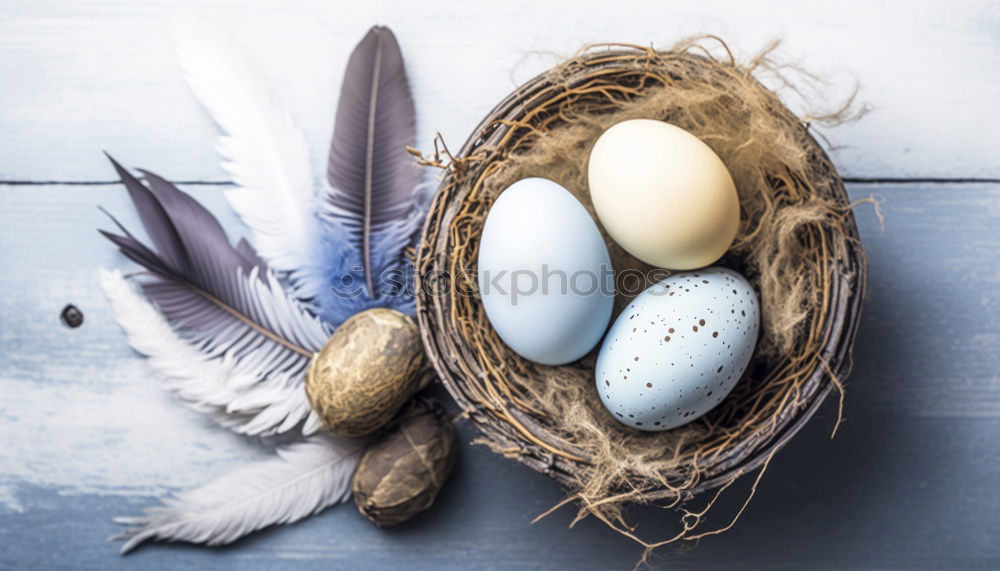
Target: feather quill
x=302 y=480
x=222 y=387
x=348 y=257
x=263 y=150
x=224 y=301
x=372 y=178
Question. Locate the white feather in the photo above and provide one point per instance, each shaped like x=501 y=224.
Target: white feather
x=226 y=388
x=302 y=480
x=279 y=312
x=264 y=151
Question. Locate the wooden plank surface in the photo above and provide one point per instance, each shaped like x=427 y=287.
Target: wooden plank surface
x=88 y=75
x=85 y=435
x=909 y=481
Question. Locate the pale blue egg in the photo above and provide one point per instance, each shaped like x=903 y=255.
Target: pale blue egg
x=545 y=275
x=678 y=349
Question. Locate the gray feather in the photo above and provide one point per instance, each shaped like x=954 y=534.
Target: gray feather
x=221 y=299
x=369 y=170
x=161 y=231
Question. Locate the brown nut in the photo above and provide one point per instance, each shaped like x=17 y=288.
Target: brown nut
x=404 y=469
x=367 y=370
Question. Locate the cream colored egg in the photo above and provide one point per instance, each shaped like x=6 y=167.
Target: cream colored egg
x=663 y=194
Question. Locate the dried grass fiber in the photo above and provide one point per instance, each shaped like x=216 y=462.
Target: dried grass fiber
x=797 y=244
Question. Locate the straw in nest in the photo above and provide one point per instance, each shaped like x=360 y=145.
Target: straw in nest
x=797 y=244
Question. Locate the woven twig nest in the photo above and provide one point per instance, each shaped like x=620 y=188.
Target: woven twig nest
x=797 y=244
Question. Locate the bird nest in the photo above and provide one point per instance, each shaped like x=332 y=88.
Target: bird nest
x=797 y=244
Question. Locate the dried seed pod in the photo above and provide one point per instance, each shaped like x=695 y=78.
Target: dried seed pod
x=368 y=369
x=404 y=469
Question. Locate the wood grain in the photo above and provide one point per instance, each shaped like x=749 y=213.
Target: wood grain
x=99 y=74
x=907 y=483
x=85 y=434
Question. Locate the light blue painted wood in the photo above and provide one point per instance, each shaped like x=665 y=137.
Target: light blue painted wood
x=909 y=482
x=85 y=435
x=81 y=76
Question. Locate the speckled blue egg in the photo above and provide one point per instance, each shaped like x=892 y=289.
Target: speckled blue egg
x=678 y=349
x=544 y=273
